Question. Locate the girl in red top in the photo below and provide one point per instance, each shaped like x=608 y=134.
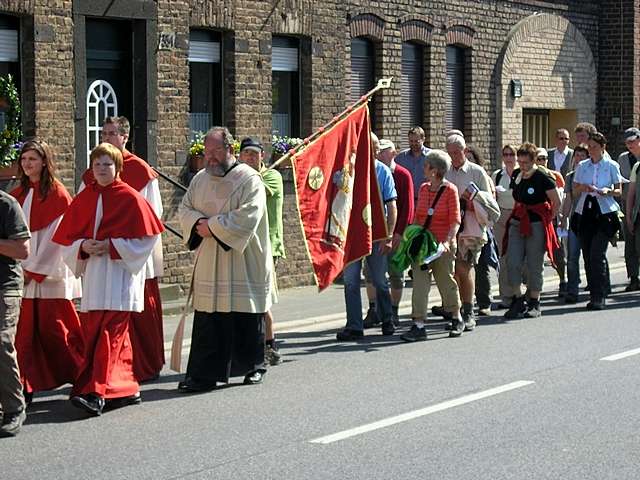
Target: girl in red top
x=49 y=340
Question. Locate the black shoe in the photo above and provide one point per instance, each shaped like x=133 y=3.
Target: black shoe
x=457 y=327
x=371 y=319
x=533 y=309
x=438 y=311
x=634 y=285
x=570 y=298
x=92 y=404
x=596 y=304
x=388 y=328
x=348 y=335
x=517 y=309
x=415 y=334
x=12 y=423
x=112 y=403
x=469 y=321
x=395 y=318
x=189 y=385
x=254 y=378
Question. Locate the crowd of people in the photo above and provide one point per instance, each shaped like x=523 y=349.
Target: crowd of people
x=79 y=275
x=559 y=203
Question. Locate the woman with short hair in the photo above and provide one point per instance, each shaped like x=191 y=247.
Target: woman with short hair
x=530 y=231
x=49 y=339
x=108 y=234
x=598 y=182
x=437 y=210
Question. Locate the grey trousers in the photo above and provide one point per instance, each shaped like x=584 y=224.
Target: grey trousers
x=525 y=252
x=11 y=397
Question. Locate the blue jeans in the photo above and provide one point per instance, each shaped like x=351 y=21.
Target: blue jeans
x=573 y=263
x=377 y=265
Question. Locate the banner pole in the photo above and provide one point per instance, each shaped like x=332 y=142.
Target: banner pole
x=383 y=83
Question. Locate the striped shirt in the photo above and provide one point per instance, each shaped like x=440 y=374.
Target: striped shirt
x=447 y=211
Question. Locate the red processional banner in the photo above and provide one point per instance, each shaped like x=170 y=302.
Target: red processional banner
x=338 y=196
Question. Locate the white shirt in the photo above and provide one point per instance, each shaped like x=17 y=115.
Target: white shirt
x=559 y=158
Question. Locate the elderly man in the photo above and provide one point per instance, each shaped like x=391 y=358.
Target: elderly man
x=376 y=266
x=627 y=162
x=467 y=177
x=404 y=203
x=560 y=157
x=224 y=216
x=14 y=246
x=414 y=157
x=252 y=153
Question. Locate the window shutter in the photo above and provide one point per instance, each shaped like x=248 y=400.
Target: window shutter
x=412 y=68
x=8 y=45
x=284 y=59
x=455 y=88
x=204 y=52
x=362 y=68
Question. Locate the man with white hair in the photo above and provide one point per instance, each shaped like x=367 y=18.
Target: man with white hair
x=468 y=178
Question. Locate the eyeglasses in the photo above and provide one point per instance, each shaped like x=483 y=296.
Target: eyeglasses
x=109 y=134
x=508 y=154
x=563 y=138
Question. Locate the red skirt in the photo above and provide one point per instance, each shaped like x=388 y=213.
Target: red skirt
x=49 y=343
x=147 y=334
x=108 y=368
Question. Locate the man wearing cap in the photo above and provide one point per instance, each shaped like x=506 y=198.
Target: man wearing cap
x=376 y=265
x=404 y=203
x=628 y=162
x=224 y=218
x=252 y=154
x=560 y=157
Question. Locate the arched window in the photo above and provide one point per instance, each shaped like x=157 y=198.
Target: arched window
x=101 y=103
x=362 y=70
x=412 y=85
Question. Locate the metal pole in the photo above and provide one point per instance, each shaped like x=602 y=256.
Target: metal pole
x=170 y=180
x=382 y=84
x=173 y=230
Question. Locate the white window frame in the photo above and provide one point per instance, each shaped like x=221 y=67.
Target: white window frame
x=100 y=91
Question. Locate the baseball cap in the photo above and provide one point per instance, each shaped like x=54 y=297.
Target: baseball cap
x=384 y=144
x=631 y=133
x=542 y=152
x=251 y=144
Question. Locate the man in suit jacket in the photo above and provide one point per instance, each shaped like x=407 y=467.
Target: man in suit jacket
x=560 y=157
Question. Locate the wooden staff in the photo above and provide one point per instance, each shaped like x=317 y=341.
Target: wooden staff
x=382 y=84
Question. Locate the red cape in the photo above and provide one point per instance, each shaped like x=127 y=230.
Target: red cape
x=135 y=172
x=44 y=210
x=126 y=214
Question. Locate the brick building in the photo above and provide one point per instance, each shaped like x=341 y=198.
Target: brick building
x=501 y=71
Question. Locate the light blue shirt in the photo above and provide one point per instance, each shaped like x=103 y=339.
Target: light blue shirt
x=415 y=165
x=605 y=173
x=386 y=183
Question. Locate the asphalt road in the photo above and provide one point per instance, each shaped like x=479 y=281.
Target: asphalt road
x=530 y=398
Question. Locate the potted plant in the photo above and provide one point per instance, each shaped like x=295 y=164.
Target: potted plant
x=280 y=146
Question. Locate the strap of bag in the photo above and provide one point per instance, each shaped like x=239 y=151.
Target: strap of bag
x=498 y=174
x=432 y=209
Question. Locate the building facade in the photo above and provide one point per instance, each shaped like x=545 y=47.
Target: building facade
x=501 y=71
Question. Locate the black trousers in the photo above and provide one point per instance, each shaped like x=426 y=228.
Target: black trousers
x=226 y=345
x=594 y=241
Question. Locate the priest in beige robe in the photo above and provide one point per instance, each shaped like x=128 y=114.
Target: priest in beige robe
x=224 y=218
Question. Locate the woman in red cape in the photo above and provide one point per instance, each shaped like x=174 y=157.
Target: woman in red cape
x=49 y=340
x=107 y=235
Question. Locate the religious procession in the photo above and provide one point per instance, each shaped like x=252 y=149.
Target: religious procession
x=80 y=274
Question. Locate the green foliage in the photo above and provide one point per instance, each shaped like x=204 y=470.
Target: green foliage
x=10 y=144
